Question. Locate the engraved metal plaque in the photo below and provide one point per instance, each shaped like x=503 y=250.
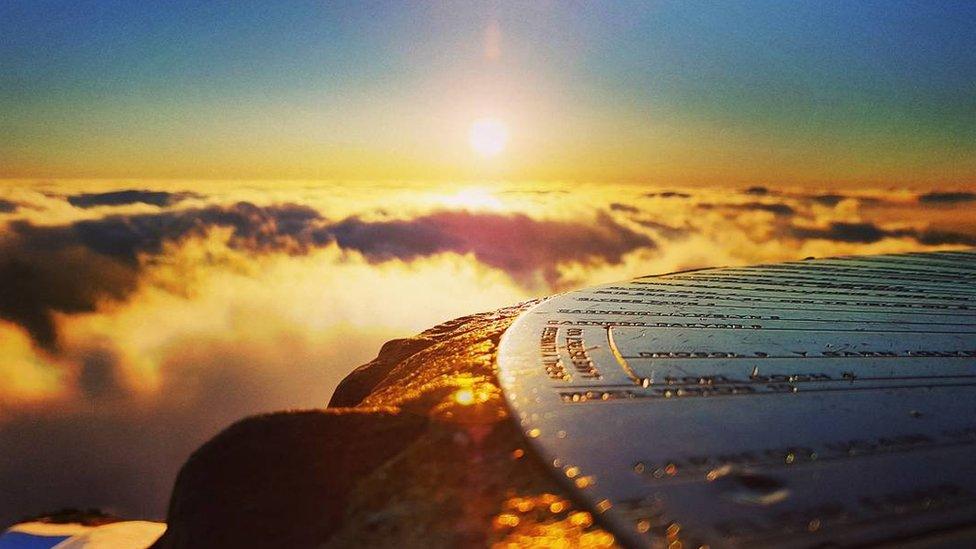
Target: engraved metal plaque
x=816 y=403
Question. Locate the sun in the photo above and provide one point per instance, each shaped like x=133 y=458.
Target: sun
x=488 y=136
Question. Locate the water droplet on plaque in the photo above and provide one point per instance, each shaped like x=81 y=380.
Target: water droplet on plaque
x=718 y=473
x=746 y=487
x=585 y=482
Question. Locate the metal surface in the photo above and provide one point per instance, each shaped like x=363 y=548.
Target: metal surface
x=823 y=402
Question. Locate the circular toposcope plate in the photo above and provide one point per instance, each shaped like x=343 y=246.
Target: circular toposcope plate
x=814 y=403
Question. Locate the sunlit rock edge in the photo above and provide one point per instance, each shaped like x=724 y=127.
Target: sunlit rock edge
x=415 y=449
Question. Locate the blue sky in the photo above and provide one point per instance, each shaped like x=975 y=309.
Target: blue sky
x=116 y=88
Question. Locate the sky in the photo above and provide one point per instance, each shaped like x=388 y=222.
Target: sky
x=210 y=210
x=819 y=93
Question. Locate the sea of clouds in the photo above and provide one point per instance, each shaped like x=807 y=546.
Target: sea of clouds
x=139 y=318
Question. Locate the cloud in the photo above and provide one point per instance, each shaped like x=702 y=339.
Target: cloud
x=777 y=209
x=668 y=194
x=827 y=199
x=129 y=196
x=75 y=267
x=946 y=197
x=867 y=233
x=515 y=243
x=843 y=232
x=938 y=238
x=121 y=451
x=663 y=229
x=45 y=270
x=757 y=191
x=7 y=206
x=261 y=229
x=618 y=207
x=773 y=208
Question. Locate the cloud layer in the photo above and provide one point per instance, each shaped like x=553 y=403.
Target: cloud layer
x=72 y=268
x=517 y=244
x=134 y=323
x=867 y=233
x=946 y=197
x=129 y=196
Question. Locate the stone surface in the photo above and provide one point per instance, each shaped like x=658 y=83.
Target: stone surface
x=281 y=479
x=416 y=450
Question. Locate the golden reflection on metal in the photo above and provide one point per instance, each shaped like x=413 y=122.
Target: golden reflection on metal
x=581 y=519
x=506 y=520
x=547 y=520
x=673 y=536
x=464 y=397
x=524 y=505
x=475 y=400
x=585 y=482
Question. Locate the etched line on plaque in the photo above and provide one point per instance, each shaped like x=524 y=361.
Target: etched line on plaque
x=697 y=468
x=741 y=289
x=638 y=380
x=752 y=305
x=578 y=354
x=733 y=316
x=782 y=281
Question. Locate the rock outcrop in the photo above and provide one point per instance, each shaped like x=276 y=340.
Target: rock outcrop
x=415 y=449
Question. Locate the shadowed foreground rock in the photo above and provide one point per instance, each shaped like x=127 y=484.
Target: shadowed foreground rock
x=415 y=449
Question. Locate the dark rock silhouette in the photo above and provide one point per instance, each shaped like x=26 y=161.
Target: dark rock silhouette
x=281 y=479
x=414 y=450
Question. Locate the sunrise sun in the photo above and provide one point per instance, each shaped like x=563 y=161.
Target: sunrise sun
x=488 y=136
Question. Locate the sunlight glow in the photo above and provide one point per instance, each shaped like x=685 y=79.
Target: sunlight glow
x=473 y=198
x=488 y=136
x=464 y=397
